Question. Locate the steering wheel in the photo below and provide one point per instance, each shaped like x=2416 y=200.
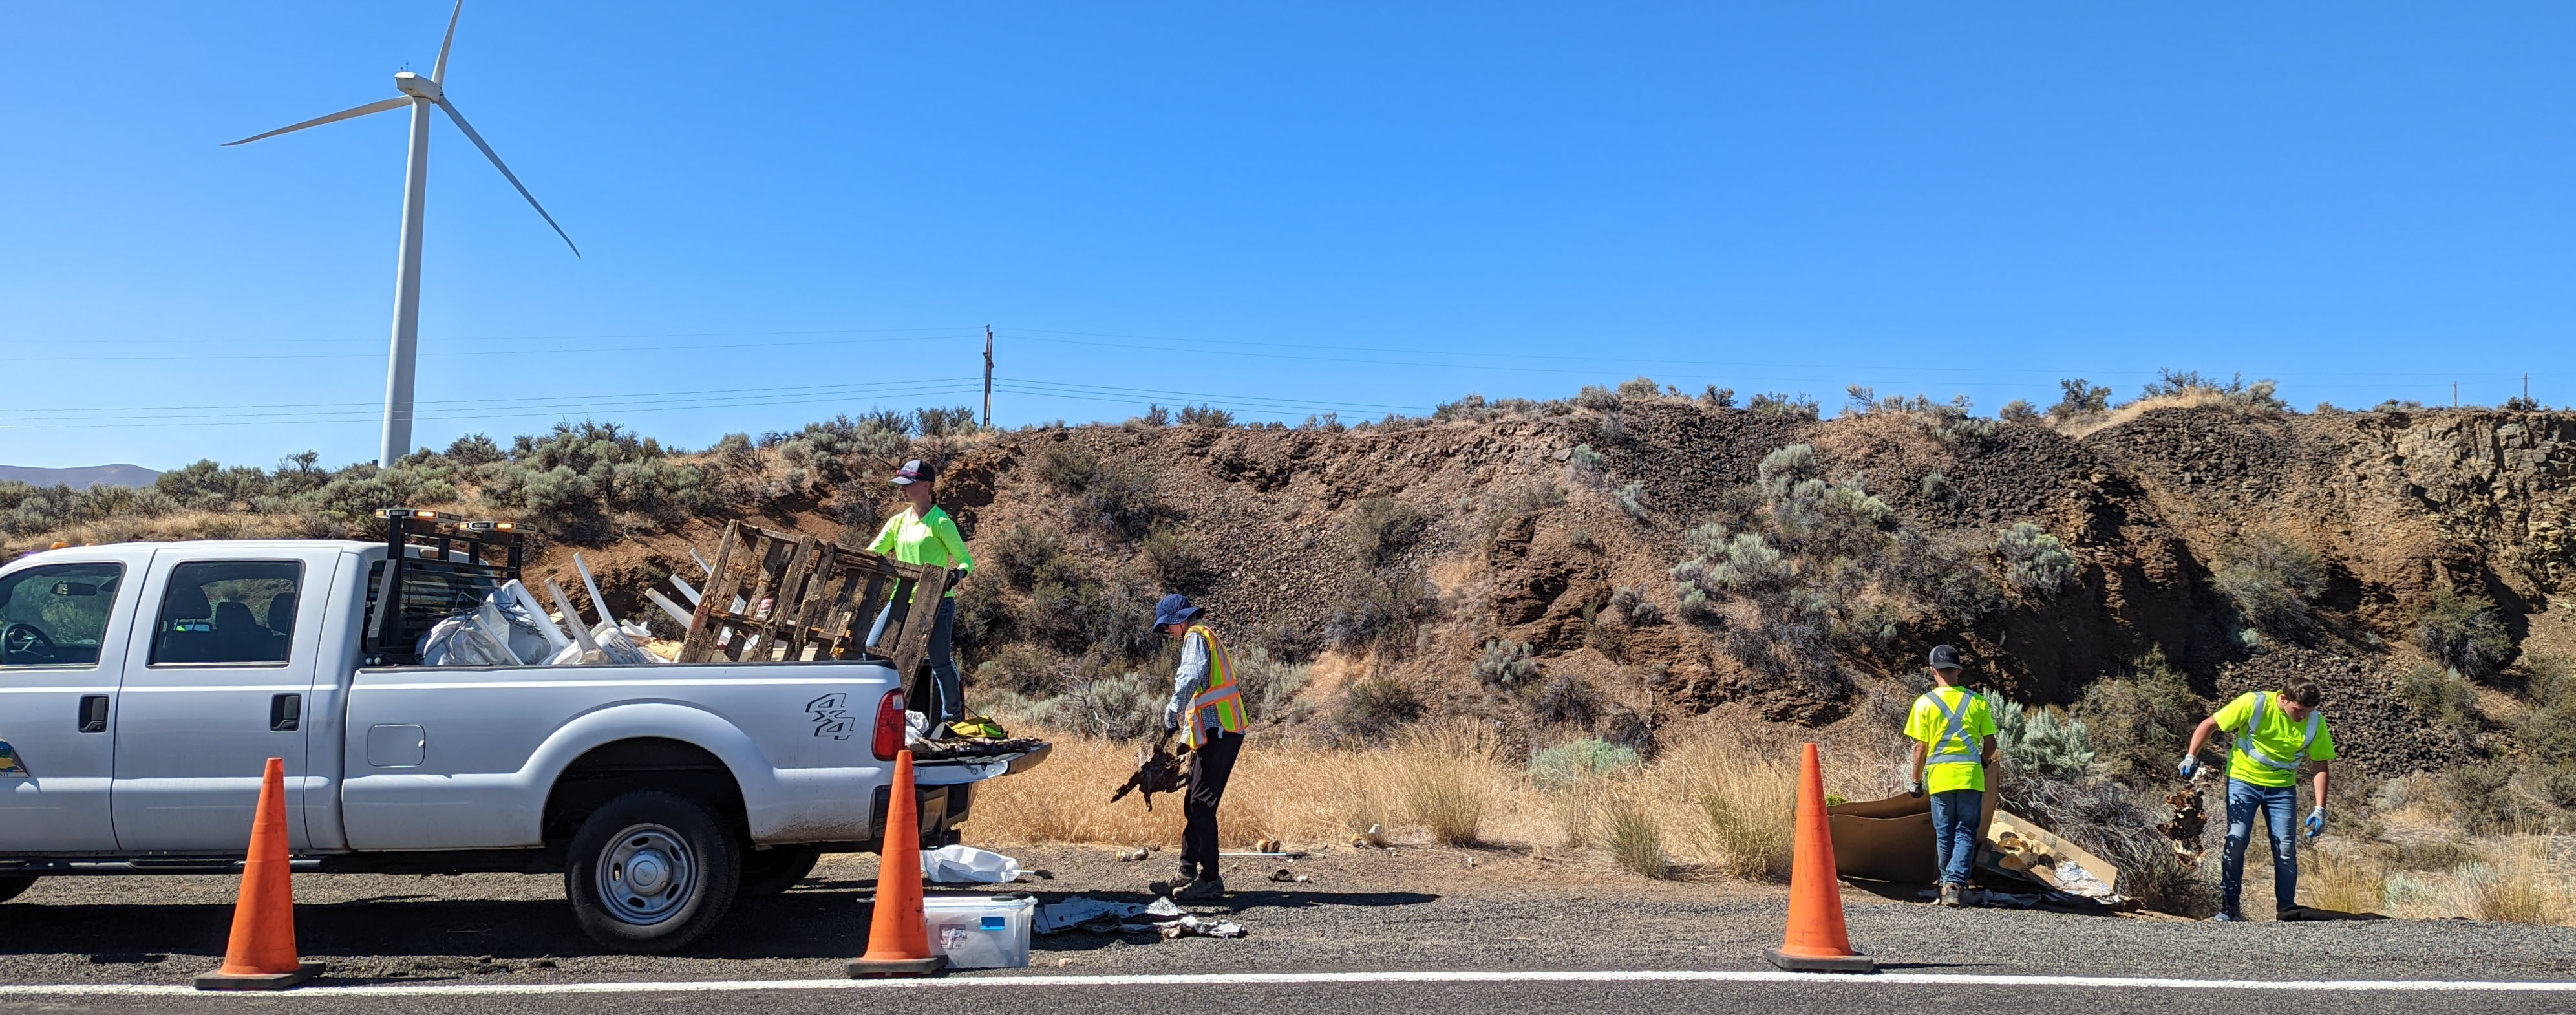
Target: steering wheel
x=24 y=639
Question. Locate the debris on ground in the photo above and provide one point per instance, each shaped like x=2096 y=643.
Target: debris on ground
x=1375 y=836
x=1191 y=926
x=1131 y=855
x=1286 y=876
x=1265 y=846
x=1163 y=907
x=1081 y=911
x=961 y=864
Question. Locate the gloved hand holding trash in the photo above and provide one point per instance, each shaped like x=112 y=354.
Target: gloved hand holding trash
x=2317 y=821
x=2190 y=766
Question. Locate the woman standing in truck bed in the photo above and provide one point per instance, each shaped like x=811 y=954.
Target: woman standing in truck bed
x=922 y=534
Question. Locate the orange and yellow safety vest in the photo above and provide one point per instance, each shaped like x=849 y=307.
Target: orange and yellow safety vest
x=1220 y=694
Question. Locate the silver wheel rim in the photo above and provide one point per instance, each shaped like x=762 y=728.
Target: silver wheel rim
x=646 y=874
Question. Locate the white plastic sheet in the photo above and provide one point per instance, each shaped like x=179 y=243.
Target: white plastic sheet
x=966 y=865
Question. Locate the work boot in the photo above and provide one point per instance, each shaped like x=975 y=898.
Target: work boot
x=1949 y=896
x=1201 y=891
x=1173 y=887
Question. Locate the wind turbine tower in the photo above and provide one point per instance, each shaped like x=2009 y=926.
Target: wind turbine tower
x=420 y=93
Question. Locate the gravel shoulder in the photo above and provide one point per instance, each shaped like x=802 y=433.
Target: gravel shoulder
x=1418 y=908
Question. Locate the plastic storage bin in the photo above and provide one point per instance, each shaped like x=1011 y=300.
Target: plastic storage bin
x=980 y=931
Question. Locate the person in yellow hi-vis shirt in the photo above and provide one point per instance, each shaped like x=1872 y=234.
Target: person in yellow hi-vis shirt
x=1954 y=740
x=2275 y=731
x=920 y=534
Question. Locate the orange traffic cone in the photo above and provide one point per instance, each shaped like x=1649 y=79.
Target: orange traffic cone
x=261 y=955
x=898 y=938
x=1816 y=941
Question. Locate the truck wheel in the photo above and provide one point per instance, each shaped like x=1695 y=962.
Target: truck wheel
x=12 y=885
x=767 y=872
x=651 y=872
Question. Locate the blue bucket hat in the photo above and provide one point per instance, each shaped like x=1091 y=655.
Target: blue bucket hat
x=1174 y=609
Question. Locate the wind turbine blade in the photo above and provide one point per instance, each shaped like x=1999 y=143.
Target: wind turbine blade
x=397 y=102
x=439 y=72
x=470 y=135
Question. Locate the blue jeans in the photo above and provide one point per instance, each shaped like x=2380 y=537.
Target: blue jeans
x=1954 y=832
x=951 y=705
x=2279 y=807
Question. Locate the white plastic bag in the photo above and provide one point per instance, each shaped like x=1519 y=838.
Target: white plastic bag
x=966 y=865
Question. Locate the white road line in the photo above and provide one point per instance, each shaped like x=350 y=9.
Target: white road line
x=1304 y=979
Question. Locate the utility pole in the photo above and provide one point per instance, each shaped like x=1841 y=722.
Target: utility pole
x=2526 y=387
x=2455 y=394
x=988 y=375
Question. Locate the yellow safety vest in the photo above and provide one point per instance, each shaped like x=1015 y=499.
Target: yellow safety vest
x=1221 y=693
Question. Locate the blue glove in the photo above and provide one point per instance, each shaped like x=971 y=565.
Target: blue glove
x=2190 y=766
x=2317 y=821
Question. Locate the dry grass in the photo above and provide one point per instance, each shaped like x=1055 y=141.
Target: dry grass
x=1748 y=804
x=2516 y=886
x=1700 y=808
x=2349 y=881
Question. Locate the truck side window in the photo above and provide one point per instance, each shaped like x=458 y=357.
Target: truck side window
x=56 y=615
x=228 y=611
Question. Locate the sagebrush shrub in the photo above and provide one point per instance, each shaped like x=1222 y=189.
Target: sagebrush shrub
x=1381 y=528
x=2271 y=582
x=2463 y=632
x=2035 y=563
x=1504 y=665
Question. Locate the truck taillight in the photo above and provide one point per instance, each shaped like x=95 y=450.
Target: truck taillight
x=890 y=725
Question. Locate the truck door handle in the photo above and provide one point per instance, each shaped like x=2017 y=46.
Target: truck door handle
x=285 y=712
x=93 y=713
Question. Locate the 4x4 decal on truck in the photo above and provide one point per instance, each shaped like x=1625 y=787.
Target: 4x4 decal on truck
x=832 y=717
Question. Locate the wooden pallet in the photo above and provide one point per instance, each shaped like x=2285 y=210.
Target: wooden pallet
x=821 y=597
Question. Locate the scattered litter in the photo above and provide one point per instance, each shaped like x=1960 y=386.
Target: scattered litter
x=1080 y=911
x=1294 y=854
x=1041 y=874
x=1375 y=836
x=962 y=864
x=1471 y=861
x=1131 y=855
x=1286 y=876
x=1164 y=907
x=1265 y=846
x=1191 y=926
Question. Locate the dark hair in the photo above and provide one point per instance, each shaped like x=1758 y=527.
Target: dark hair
x=2304 y=691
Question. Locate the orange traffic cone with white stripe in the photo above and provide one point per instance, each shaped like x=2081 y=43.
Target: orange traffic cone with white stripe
x=898 y=937
x=261 y=954
x=1816 y=941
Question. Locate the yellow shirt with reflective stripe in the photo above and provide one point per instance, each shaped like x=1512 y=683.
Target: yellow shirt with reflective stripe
x=2279 y=737
x=1925 y=724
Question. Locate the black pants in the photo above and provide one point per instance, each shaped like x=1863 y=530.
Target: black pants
x=1211 y=764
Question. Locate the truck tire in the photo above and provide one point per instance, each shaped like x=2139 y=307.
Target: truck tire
x=12 y=885
x=651 y=872
x=767 y=872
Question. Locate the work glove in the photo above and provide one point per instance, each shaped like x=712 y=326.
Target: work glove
x=2190 y=766
x=2317 y=821
x=1914 y=789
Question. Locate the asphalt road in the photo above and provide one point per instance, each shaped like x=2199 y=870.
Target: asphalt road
x=1848 y=995
x=510 y=940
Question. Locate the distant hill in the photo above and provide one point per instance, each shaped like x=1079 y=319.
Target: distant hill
x=81 y=478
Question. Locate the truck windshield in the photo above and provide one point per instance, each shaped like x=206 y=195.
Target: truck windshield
x=56 y=615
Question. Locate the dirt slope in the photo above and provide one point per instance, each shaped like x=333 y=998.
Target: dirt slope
x=2150 y=506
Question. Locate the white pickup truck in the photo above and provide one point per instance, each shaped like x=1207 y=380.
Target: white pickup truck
x=144 y=685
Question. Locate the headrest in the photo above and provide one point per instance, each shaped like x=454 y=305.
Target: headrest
x=234 y=615
x=187 y=602
x=281 y=613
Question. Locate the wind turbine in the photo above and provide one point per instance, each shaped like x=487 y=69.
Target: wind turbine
x=420 y=93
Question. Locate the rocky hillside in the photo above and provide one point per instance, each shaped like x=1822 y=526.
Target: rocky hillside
x=1626 y=564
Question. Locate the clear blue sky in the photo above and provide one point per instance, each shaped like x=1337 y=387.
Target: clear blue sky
x=1364 y=206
